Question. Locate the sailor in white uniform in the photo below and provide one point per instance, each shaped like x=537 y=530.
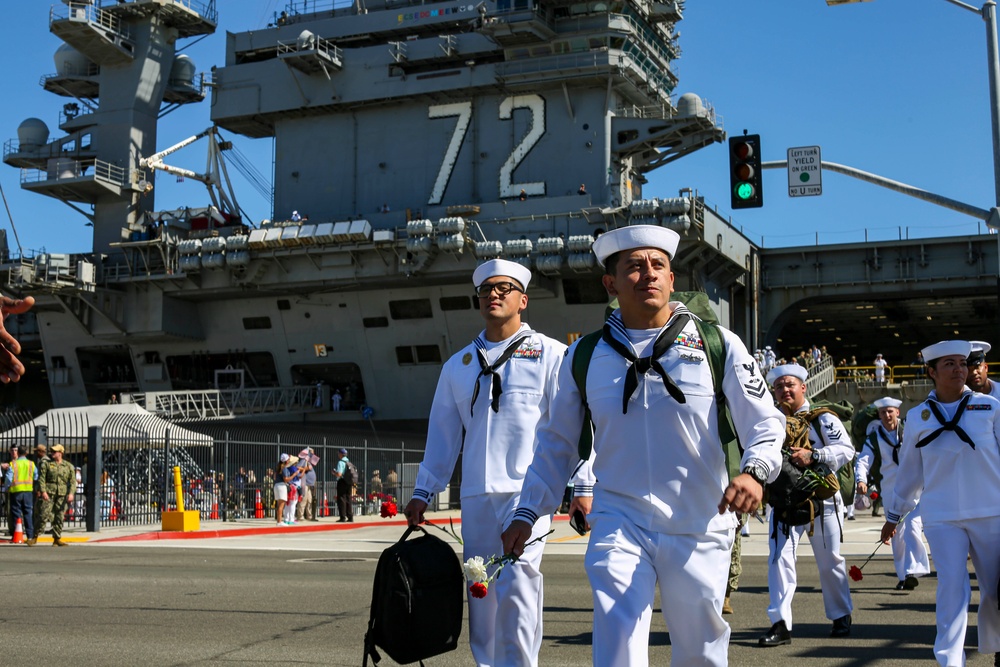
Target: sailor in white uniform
x=834 y=449
x=488 y=401
x=879 y=461
x=950 y=462
x=664 y=506
x=978 y=379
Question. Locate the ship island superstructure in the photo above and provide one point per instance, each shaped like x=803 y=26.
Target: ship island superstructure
x=411 y=140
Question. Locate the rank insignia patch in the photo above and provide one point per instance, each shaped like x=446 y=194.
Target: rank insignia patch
x=750 y=380
x=926 y=414
x=833 y=431
x=466 y=358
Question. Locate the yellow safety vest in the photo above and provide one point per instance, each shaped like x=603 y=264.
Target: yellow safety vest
x=24 y=473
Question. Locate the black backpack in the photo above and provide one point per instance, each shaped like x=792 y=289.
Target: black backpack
x=417 y=601
x=350 y=473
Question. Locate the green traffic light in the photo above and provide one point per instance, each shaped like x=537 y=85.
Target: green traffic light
x=744 y=191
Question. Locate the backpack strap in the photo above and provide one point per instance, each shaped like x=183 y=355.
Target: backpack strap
x=582 y=354
x=715 y=351
x=876 y=470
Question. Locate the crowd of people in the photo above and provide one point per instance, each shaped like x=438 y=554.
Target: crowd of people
x=625 y=414
x=671 y=491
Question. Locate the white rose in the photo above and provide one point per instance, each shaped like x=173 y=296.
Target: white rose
x=475 y=569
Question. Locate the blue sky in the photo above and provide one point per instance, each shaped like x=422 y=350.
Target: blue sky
x=895 y=87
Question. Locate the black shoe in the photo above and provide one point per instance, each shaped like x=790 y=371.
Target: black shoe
x=899 y=586
x=341 y=520
x=350 y=521
x=876 y=513
x=776 y=636
x=910 y=582
x=841 y=627
x=850 y=518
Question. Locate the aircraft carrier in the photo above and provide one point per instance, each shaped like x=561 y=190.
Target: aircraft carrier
x=412 y=140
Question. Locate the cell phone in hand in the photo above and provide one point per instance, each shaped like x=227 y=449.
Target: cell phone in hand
x=578 y=522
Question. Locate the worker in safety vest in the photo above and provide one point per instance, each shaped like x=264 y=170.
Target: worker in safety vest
x=21 y=476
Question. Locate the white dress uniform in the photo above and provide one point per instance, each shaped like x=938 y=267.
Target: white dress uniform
x=958 y=487
x=662 y=472
x=908 y=551
x=994 y=390
x=834 y=450
x=505 y=626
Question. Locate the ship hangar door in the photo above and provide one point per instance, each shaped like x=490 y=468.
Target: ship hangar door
x=106 y=370
x=889 y=324
x=345 y=377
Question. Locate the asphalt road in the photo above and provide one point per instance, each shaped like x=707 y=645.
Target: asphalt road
x=146 y=604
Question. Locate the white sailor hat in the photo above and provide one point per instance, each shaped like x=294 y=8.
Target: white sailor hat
x=946 y=348
x=887 y=402
x=787 y=369
x=980 y=349
x=501 y=267
x=636 y=236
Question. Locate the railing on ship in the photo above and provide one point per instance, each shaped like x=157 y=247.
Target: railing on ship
x=205 y=8
x=865 y=375
x=225 y=403
x=85 y=12
x=821 y=376
x=63 y=168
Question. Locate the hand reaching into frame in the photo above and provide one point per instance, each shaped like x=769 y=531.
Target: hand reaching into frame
x=11 y=368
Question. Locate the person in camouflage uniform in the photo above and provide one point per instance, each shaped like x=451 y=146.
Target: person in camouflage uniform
x=43 y=508
x=735 y=566
x=58 y=481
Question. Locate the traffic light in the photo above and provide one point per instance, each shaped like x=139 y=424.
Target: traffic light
x=746 y=184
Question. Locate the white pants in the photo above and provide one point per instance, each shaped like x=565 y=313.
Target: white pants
x=505 y=627
x=781 y=575
x=952 y=543
x=908 y=551
x=289 y=514
x=625 y=564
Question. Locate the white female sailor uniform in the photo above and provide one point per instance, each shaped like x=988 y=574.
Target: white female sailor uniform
x=835 y=449
x=908 y=551
x=662 y=472
x=505 y=626
x=955 y=474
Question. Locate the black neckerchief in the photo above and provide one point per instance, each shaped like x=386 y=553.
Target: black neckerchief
x=639 y=366
x=899 y=440
x=490 y=371
x=949 y=425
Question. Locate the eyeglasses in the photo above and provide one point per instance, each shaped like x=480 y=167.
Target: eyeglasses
x=503 y=289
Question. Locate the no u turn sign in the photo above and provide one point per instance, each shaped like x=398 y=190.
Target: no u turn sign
x=805 y=172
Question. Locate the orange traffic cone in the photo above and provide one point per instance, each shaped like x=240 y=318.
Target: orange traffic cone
x=18 y=537
x=215 y=510
x=114 y=508
x=258 y=508
x=326 y=505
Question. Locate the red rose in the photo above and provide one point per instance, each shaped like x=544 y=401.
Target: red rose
x=388 y=510
x=855 y=573
x=478 y=590
x=874 y=495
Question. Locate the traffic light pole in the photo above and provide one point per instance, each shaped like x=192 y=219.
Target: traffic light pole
x=992 y=217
